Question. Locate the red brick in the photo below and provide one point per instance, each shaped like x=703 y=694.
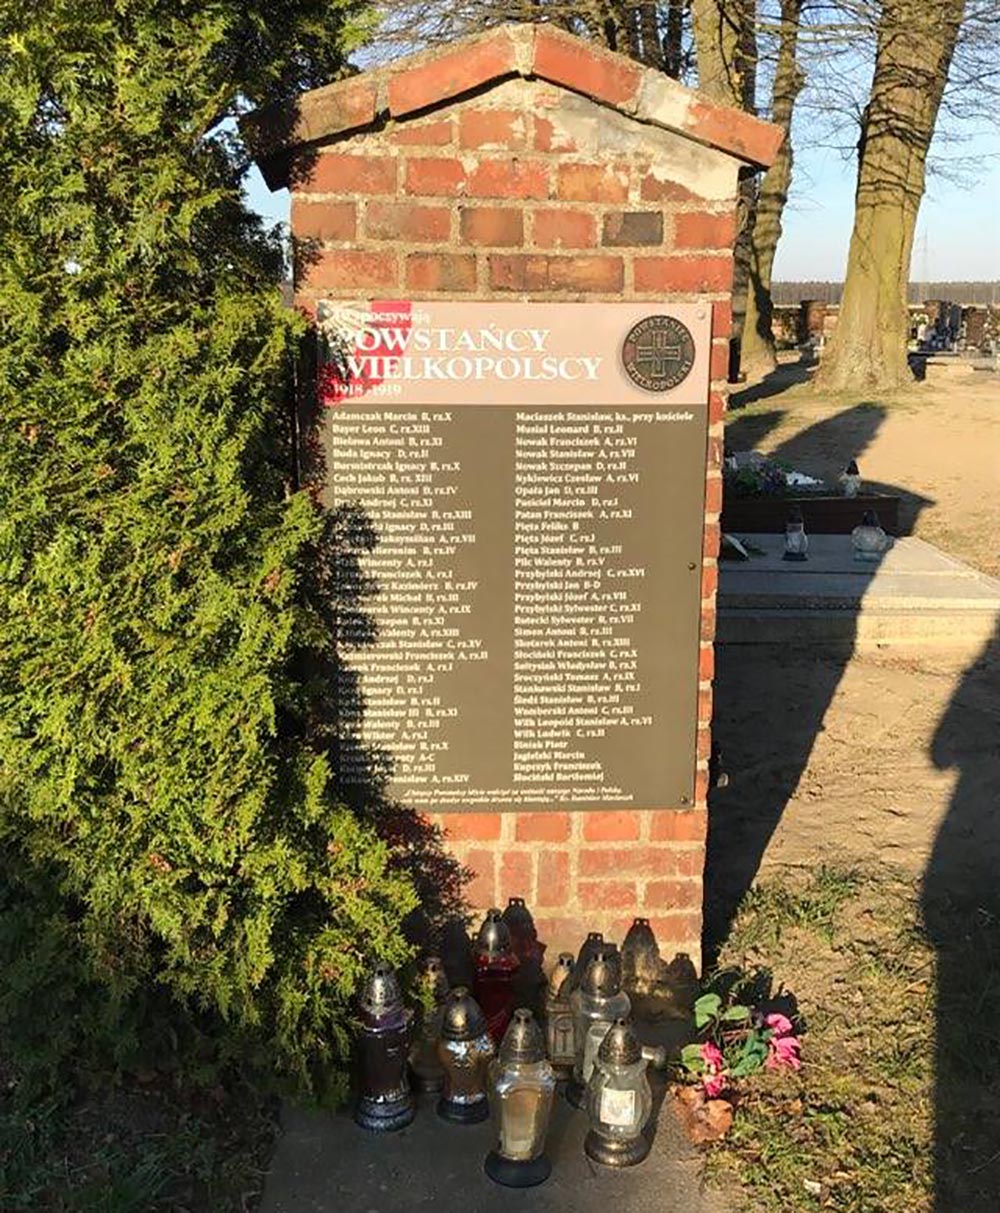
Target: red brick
x=700 y=787
x=449 y=74
x=407 y=221
x=678 y=825
x=542 y=827
x=706 y=663
x=704 y=705
x=348 y=268
x=707 y=631
x=713 y=536
x=559 y=933
x=493 y=225
x=324 y=220
x=672 y=894
x=709 y=580
x=592 y=183
x=565 y=229
x=540 y=273
x=553 y=878
x=617 y=826
x=632 y=228
x=337 y=173
x=549 y=138
x=343 y=106
x=698 y=229
x=703 y=748
x=628 y=861
x=423 y=134
x=676 y=929
x=719 y=365
x=655 y=190
x=580 y=67
x=481 y=891
x=692 y=274
x=735 y=131
x=713 y=495
x=441 y=272
x=606 y=894
x=722 y=319
x=691 y=863
x=715 y=451
x=492 y=128
x=716 y=406
x=475 y=826
x=437 y=176
x=509 y=179
x=516 y=876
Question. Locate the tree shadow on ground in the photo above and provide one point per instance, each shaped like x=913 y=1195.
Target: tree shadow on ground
x=784 y=376
x=961 y=910
x=763 y=692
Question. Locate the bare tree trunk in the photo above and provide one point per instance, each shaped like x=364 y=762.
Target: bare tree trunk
x=916 y=41
x=757 y=352
x=720 y=42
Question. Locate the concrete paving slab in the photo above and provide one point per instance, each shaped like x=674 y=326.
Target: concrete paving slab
x=915 y=594
x=324 y=1163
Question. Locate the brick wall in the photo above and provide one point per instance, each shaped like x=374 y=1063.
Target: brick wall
x=531 y=191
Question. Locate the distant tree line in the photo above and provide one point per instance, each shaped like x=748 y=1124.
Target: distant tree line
x=965 y=293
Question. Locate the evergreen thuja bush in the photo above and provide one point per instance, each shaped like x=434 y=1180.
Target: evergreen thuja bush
x=165 y=794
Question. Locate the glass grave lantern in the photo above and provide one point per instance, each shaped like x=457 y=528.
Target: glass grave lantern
x=850 y=479
x=529 y=983
x=595 y=1004
x=559 y=1017
x=641 y=963
x=465 y=1051
x=796 y=539
x=385 y=1102
x=522 y=1085
x=869 y=541
x=593 y=944
x=432 y=989
x=619 y=1100
x=496 y=965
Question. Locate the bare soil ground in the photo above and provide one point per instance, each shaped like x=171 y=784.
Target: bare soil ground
x=863 y=806
x=863 y=755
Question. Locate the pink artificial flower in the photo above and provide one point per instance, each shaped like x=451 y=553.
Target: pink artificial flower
x=783 y=1051
x=781 y=1024
x=713 y=1079
x=711 y=1055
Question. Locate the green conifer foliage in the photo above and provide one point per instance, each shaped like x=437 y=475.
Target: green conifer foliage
x=157 y=767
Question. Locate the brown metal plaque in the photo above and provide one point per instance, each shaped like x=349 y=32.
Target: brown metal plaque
x=539 y=515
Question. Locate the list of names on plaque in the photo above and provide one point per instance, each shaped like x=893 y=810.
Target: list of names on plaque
x=536 y=577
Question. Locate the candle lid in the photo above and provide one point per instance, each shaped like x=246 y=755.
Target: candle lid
x=620 y=1045
x=494 y=935
x=381 y=992
x=523 y=1041
x=603 y=975
x=431 y=977
x=463 y=1018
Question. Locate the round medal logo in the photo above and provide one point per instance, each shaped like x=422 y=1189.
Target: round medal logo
x=658 y=353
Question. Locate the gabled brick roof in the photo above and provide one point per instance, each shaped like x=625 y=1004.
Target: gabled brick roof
x=534 y=52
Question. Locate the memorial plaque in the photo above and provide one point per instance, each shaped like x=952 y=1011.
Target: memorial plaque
x=535 y=476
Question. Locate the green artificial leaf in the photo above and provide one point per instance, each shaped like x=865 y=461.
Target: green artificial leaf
x=692 y=1060
x=706 y=1008
x=736 y=1014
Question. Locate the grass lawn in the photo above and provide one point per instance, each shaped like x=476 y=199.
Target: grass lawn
x=895 y=1109
x=132 y=1147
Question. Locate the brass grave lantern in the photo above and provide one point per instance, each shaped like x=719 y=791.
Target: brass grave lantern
x=464 y=1050
x=432 y=985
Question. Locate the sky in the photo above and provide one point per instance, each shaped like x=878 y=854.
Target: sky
x=958 y=229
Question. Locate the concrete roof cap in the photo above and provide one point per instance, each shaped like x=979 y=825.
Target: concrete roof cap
x=420 y=83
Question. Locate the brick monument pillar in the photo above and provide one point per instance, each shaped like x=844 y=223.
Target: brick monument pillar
x=529 y=165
